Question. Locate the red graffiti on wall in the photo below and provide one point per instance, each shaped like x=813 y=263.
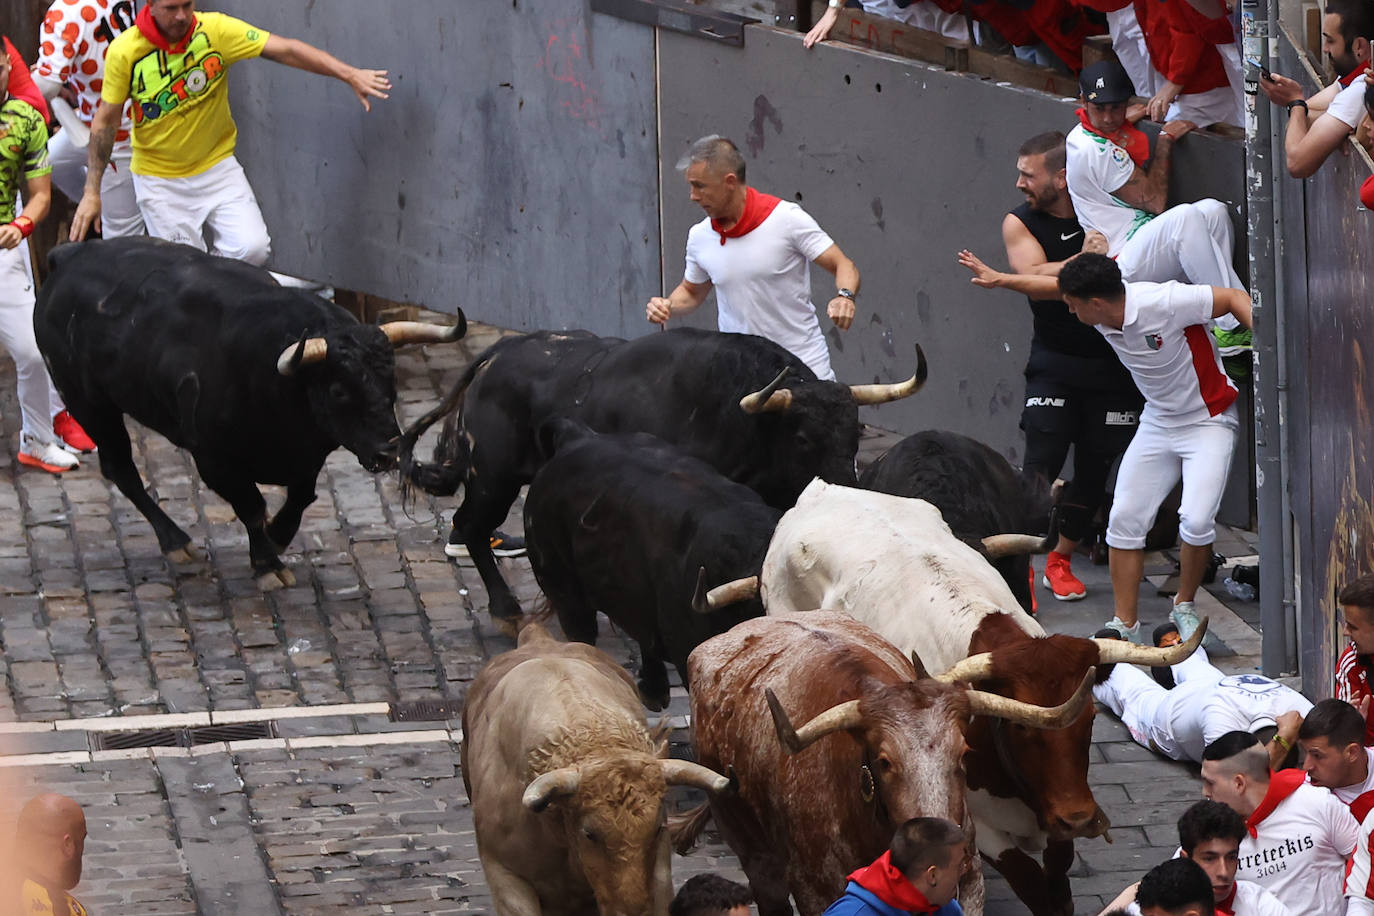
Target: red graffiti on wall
x=565 y=61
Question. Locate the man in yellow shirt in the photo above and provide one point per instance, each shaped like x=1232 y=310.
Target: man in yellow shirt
x=173 y=66
x=49 y=841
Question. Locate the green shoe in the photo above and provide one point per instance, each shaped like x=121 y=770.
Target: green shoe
x=1233 y=342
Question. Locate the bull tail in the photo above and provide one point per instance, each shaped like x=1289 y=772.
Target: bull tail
x=452 y=458
x=685 y=829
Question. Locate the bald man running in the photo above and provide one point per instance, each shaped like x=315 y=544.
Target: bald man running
x=49 y=841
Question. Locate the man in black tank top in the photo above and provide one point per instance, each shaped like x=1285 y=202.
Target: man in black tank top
x=1077 y=391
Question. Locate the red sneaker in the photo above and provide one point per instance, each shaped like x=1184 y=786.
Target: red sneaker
x=1060 y=580
x=71 y=433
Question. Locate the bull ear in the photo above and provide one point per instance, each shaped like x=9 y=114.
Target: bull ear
x=921 y=672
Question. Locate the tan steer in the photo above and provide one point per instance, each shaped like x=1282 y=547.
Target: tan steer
x=566 y=784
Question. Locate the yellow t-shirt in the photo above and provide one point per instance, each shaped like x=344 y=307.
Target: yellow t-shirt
x=182 y=124
x=38 y=900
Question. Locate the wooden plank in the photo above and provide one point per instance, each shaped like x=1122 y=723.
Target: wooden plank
x=888 y=35
x=1008 y=69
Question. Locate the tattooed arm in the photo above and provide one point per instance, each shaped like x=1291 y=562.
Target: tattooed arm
x=103 y=128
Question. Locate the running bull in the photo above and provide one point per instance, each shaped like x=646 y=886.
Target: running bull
x=698 y=390
x=937 y=598
x=258 y=382
x=567 y=784
x=626 y=525
x=871 y=747
x=977 y=491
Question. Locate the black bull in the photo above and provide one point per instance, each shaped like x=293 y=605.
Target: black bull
x=624 y=524
x=259 y=382
x=687 y=386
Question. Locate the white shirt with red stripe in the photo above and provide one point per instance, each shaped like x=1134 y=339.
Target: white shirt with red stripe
x=1299 y=849
x=72 y=44
x=1166 y=343
x=1352 y=685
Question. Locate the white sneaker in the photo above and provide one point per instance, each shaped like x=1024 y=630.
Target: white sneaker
x=1130 y=634
x=46 y=456
x=1184 y=615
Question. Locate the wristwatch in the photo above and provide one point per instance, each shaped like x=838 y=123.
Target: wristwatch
x=835 y=4
x=846 y=293
x=1295 y=103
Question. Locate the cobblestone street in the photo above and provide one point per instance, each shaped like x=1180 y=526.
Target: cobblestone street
x=283 y=785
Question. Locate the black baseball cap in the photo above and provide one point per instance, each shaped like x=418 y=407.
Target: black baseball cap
x=1105 y=83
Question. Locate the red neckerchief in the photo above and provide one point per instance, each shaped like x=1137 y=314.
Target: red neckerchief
x=1129 y=137
x=889 y=885
x=1281 y=785
x=21 y=85
x=1350 y=77
x=146 y=24
x=757 y=208
x=1227 y=907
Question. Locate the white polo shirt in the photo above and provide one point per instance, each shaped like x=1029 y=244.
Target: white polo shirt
x=763 y=280
x=1165 y=343
x=1300 y=852
x=1097 y=167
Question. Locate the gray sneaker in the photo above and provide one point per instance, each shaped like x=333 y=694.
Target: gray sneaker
x=1185 y=617
x=1129 y=634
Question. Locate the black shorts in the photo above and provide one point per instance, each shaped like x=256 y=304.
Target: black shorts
x=1103 y=420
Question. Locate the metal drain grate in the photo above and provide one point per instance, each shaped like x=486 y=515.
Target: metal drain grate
x=425 y=711
x=246 y=731
x=180 y=737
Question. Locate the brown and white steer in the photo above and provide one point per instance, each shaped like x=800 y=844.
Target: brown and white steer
x=811 y=808
x=931 y=594
x=566 y=784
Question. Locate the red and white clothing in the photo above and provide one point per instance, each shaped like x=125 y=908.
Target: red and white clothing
x=72 y=43
x=1348 y=105
x=1192 y=242
x=1188 y=427
x=1352 y=685
x=762 y=277
x=1359 y=798
x=1187 y=48
x=1297 y=844
x=1359 y=884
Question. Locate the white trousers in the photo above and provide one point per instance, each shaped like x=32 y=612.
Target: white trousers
x=36 y=394
x=1189 y=242
x=1215 y=106
x=119 y=214
x=1128 y=41
x=219 y=198
x=1157 y=457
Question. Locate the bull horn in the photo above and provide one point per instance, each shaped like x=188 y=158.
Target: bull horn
x=834 y=719
x=732 y=593
x=542 y=790
x=1015 y=711
x=997 y=546
x=974 y=668
x=771 y=398
x=308 y=350
x=686 y=773
x=1116 y=651
x=881 y=394
x=412 y=332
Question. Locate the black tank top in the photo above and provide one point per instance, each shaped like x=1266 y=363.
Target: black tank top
x=1056 y=329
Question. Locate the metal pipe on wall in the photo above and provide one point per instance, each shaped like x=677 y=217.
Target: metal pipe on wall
x=1259 y=192
x=1278 y=170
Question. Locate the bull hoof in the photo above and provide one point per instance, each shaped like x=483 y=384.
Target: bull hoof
x=653 y=701
x=275 y=579
x=188 y=553
x=507 y=626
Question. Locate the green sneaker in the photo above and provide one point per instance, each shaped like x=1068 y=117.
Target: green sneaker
x=1234 y=342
